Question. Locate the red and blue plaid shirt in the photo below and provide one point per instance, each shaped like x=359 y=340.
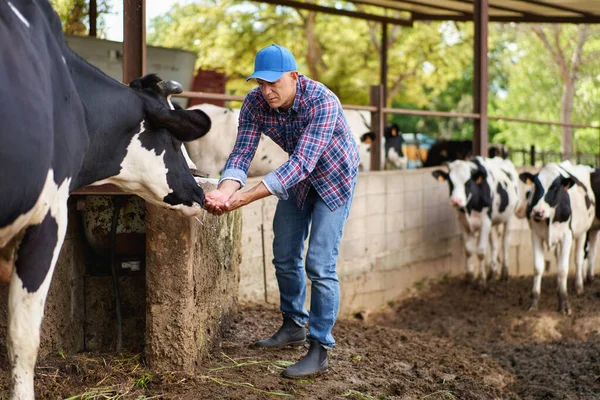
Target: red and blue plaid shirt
x=315 y=134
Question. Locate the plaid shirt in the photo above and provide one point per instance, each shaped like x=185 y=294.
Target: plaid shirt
x=315 y=134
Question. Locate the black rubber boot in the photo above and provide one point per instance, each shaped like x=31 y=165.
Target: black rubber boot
x=290 y=334
x=313 y=363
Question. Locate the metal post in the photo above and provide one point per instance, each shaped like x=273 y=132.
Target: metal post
x=134 y=39
x=93 y=18
x=376 y=126
x=480 y=78
x=532 y=153
x=383 y=61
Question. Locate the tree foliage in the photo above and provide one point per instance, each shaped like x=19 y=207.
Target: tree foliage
x=341 y=52
x=430 y=66
x=75 y=14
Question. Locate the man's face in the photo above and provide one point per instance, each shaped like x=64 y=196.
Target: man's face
x=281 y=93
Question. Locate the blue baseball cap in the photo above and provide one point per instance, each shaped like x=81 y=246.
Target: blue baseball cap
x=271 y=62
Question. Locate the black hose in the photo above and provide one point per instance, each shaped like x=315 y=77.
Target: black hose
x=117 y=204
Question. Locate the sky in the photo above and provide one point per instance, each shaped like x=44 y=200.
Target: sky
x=114 y=21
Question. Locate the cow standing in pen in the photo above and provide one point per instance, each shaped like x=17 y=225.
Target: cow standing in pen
x=560 y=210
x=484 y=193
x=65 y=125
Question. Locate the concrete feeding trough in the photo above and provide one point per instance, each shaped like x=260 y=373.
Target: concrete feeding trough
x=178 y=280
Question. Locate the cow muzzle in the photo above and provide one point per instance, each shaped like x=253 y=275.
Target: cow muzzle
x=457 y=202
x=539 y=214
x=169 y=87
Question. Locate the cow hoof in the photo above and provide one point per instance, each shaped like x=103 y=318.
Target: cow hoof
x=504 y=275
x=579 y=290
x=533 y=304
x=589 y=278
x=470 y=278
x=482 y=283
x=491 y=275
x=563 y=307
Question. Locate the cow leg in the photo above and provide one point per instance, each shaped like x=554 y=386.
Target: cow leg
x=29 y=286
x=469 y=240
x=538 y=270
x=592 y=249
x=484 y=238
x=493 y=271
x=562 y=272
x=505 y=248
x=579 y=262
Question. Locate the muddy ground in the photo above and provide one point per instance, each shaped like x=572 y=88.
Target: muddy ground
x=445 y=341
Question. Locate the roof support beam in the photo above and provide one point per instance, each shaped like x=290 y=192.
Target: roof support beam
x=556 y=7
x=93 y=18
x=480 y=78
x=525 y=19
x=435 y=7
x=335 y=11
x=495 y=7
x=383 y=62
x=134 y=39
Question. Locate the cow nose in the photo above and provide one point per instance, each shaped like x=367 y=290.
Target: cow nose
x=456 y=202
x=538 y=214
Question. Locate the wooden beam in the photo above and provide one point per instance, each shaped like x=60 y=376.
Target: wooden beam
x=376 y=98
x=525 y=19
x=435 y=7
x=556 y=7
x=384 y=62
x=134 y=39
x=93 y=18
x=480 y=78
x=335 y=11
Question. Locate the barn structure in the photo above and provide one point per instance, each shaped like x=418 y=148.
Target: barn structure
x=181 y=286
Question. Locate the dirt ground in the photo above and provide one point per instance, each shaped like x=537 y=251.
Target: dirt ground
x=445 y=341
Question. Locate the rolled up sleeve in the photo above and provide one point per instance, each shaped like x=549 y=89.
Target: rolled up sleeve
x=274 y=186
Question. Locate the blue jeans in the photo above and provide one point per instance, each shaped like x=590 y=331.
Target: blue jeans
x=291 y=228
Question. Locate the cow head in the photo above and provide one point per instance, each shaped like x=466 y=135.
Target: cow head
x=467 y=181
x=154 y=166
x=136 y=138
x=548 y=191
x=525 y=197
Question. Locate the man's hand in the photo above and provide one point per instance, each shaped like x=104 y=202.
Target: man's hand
x=214 y=201
x=236 y=201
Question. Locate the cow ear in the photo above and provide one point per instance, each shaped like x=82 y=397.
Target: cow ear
x=185 y=125
x=526 y=177
x=479 y=179
x=440 y=175
x=567 y=182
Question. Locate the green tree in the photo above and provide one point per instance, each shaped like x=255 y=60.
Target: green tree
x=75 y=14
x=339 y=51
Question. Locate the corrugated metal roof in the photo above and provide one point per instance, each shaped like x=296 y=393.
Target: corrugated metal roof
x=570 y=11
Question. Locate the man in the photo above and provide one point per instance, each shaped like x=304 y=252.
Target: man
x=315 y=188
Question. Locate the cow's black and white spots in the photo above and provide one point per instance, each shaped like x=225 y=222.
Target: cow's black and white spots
x=65 y=125
x=560 y=208
x=484 y=193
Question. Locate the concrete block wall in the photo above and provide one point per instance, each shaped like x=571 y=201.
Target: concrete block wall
x=401 y=230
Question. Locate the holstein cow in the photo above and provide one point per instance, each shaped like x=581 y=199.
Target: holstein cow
x=211 y=151
x=391 y=148
x=449 y=150
x=484 y=193
x=65 y=125
x=560 y=209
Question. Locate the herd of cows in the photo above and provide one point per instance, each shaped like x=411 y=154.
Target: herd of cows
x=67 y=125
x=559 y=203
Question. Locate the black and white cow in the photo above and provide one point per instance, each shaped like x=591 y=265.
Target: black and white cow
x=560 y=209
x=484 y=192
x=66 y=125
